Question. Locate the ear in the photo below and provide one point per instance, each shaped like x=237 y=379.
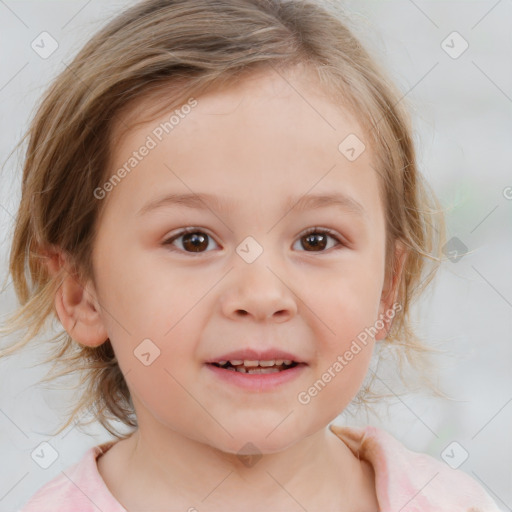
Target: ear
x=76 y=303
x=390 y=291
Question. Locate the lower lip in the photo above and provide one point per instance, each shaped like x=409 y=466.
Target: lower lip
x=257 y=381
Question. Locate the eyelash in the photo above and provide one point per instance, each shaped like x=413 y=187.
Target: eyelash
x=317 y=230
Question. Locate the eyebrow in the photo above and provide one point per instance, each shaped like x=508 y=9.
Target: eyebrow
x=204 y=201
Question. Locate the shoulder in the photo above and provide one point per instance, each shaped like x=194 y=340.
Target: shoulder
x=412 y=481
x=79 y=488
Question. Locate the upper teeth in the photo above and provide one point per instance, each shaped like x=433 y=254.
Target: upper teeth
x=247 y=362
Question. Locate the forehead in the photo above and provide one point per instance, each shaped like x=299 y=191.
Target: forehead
x=268 y=133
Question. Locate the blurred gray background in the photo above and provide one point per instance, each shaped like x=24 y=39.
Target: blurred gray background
x=462 y=111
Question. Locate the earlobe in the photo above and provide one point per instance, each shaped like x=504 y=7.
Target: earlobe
x=389 y=294
x=77 y=306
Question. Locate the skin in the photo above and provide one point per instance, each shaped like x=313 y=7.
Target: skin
x=254 y=143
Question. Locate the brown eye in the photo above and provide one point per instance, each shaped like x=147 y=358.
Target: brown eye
x=193 y=240
x=316 y=240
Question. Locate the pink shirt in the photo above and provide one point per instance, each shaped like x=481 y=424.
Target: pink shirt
x=405 y=481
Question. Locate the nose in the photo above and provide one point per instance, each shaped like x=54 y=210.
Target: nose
x=258 y=291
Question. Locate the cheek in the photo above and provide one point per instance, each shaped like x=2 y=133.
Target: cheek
x=158 y=370
x=348 y=309
x=344 y=357
x=348 y=305
x=143 y=298
x=162 y=392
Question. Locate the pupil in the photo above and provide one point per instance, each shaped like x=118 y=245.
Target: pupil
x=311 y=241
x=196 y=240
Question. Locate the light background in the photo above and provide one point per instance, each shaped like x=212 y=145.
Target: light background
x=463 y=128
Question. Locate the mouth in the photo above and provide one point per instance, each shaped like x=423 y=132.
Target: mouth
x=254 y=370
x=256 y=366
x=256 y=375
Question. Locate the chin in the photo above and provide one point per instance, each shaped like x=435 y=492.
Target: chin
x=254 y=442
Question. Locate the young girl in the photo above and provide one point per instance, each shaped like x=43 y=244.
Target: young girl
x=221 y=205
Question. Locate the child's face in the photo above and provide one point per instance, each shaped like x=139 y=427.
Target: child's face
x=253 y=146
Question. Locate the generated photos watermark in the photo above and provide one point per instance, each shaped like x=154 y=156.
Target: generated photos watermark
x=305 y=397
x=151 y=142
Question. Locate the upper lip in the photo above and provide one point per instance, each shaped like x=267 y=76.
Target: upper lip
x=249 y=354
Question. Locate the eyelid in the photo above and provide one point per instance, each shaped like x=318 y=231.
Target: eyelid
x=327 y=231
x=341 y=240
x=168 y=241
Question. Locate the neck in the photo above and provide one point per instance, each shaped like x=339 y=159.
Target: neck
x=318 y=472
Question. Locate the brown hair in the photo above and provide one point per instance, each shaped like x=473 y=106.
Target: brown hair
x=190 y=46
